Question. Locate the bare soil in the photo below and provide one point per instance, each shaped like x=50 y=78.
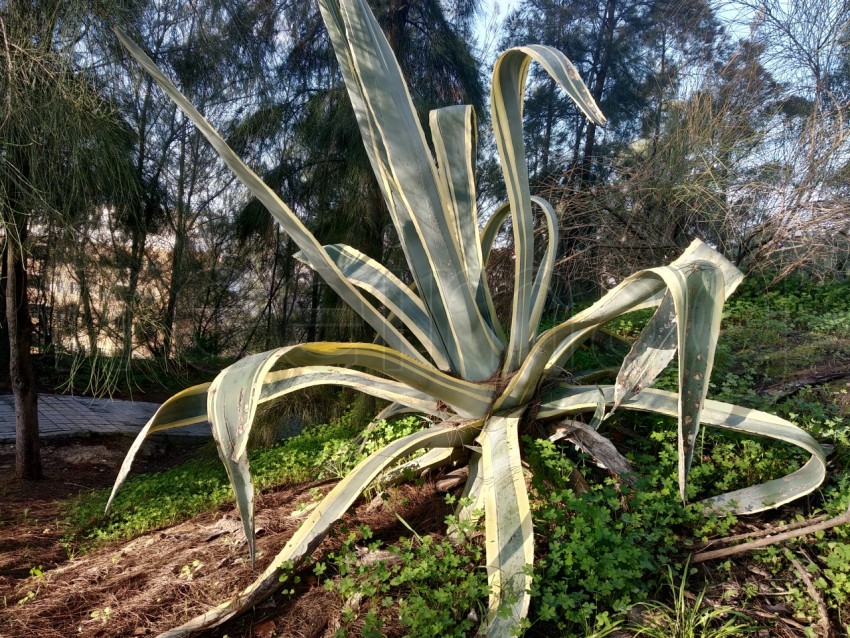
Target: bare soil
x=161 y=579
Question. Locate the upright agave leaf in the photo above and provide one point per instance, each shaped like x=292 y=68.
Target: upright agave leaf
x=462 y=368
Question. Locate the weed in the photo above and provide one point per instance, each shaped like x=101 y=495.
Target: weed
x=433 y=586
x=686 y=619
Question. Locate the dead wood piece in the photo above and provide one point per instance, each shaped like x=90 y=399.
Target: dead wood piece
x=702 y=557
x=823 y=617
x=761 y=533
x=599 y=447
x=783 y=390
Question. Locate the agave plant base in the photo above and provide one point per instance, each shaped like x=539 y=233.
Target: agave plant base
x=446 y=353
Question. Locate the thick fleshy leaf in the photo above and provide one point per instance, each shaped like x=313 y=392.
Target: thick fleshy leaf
x=369 y=275
x=282 y=382
x=455 y=142
x=509 y=538
x=696 y=324
x=654 y=348
x=237 y=391
x=332 y=507
x=696 y=357
x=695 y=253
x=410 y=183
x=549 y=348
x=699 y=251
x=281 y=212
x=509 y=76
x=184 y=408
x=575 y=399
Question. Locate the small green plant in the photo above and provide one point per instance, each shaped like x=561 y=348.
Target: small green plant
x=104 y=615
x=683 y=618
x=432 y=585
x=605 y=543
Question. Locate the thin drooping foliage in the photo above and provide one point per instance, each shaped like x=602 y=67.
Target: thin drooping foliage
x=62 y=149
x=447 y=354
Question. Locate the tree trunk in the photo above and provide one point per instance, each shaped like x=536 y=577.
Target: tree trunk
x=27 y=453
x=137 y=254
x=88 y=315
x=601 y=64
x=175 y=285
x=4 y=327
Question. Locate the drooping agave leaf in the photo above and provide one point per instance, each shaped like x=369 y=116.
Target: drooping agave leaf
x=184 y=408
x=509 y=538
x=237 y=391
x=284 y=215
x=697 y=325
x=696 y=356
x=409 y=181
x=509 y=75
x=640 y=290
x=632 y=291
x=431 y=460
x=568 y=399
x=369 y=275
x=330 y=509
x=695 y=253
x=654 y=348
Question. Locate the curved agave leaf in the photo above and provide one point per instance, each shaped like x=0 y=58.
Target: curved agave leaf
x=509 y=538
x=369 y=275
x=540 y=289
x=330 y=509
x=282 y=382
x=184 y=408
x=431 y=460
x=284 y=215
x=410 y=183
x=237 y=391
x=695 y=253
x=632 y=291
x=509 y=75
x=749 y=500
x=696 y=297
x=698 y=328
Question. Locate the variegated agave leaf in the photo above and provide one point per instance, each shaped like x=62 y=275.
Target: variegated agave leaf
x=570 y=399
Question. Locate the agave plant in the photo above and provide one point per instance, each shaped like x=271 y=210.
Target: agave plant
x=446 y=354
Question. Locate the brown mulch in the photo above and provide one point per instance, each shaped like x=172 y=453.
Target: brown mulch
x=161 y=579
x=30 y=511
